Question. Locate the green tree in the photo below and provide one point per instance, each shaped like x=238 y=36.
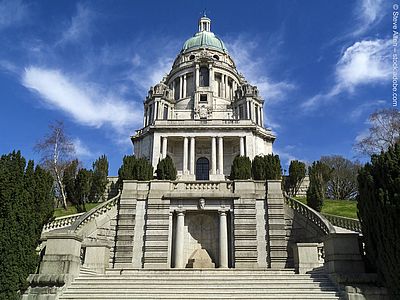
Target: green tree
x=297 y=172
x=135 y=169
x=166 y=169
x=99 y=180
x=68 y=180
x=83 y=183
x=315 y=191
x=258 y=168
x=26 y=204
x=241 y=168
x=273 y=170
x=379 y=211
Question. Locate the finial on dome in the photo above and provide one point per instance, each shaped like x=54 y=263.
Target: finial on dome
x=204 y=23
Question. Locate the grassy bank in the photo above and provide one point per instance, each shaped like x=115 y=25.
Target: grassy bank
x=60 y=212
x=343 y=208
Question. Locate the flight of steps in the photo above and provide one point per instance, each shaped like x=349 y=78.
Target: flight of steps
x=201 y=284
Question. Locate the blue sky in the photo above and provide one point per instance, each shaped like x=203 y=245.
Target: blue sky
x=322 y=67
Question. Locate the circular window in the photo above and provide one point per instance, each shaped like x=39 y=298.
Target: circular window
x=216 y=57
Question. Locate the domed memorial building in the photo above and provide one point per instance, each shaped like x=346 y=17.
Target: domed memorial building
x=203 y=113
x=151 y=239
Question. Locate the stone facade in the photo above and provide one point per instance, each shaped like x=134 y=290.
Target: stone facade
x=203 y=113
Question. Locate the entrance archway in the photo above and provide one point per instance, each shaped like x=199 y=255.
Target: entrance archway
x=202 y=169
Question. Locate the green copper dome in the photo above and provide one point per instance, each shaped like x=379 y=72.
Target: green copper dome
x=204 y=39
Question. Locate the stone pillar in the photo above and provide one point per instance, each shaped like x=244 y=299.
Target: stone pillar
x=342 y=253
x=213 y=155
x=180 y=222
x=155 y=111
x=223 y=86
x=253 y=111
x=197 y=76
x=148 y=116
x=184 y=86
x=242 y=153
x=180 y=87
x=192 y=155
x=62 y=253
x=262 y=116
x=185 y=155
x=223 y=240
x=211 y=79
x=220 y=155
x=145 y=117
x=248 y=110
x=164 y=147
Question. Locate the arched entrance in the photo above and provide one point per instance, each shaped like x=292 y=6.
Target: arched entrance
x=202 y=169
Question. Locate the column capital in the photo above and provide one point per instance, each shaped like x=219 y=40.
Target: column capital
x=222 y=212
x=180 y=212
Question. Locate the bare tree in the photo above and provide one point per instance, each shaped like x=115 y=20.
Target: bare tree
x=384 y=132
x=342 y=181
x=56 y=151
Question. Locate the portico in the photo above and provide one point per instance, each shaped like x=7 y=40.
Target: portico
x=200 y=224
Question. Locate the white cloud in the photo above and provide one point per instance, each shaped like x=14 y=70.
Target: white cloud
x=12 y=12
x=369 y=13
x=81 y=150
x=85 y=103
x=253 y=67
x=365 y=62
x=79 y=26
x=361 y=109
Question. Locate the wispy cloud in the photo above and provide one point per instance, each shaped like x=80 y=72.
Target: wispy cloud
x=79 y=26
x=82 y=151
x=86 y=103
x=12 y=12
x=254 y=68
x=368 y=13
x=365 y=107
x=365 y=62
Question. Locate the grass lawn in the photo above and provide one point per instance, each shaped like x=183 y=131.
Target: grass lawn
x=60 y=212
x=343 y=208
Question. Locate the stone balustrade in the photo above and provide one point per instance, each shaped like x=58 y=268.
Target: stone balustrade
x=310 y=214
x=95 y=212
x=343 y=222
x=206 y=186
x=61 y=222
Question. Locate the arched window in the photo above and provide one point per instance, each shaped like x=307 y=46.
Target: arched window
x=202 y=169
x=204 y=77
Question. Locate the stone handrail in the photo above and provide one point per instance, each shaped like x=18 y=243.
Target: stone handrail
x=347 y=223
x=61 y=222
x=310 y=214
x=95 y=212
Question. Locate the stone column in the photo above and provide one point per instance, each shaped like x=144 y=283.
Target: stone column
x=180 y=222
x=145 y=117
x=220 y=155
x=184 y=86
x=248 y=110
x=192 y=155
x=180 y=87
x=223 y=240
x=185 y=155
x=242 y=146
x=223 y=86
x=262 y=116
x=164 y=146
x=197 y=76
x=211 y=77
x=213 y=155
x=155 y=111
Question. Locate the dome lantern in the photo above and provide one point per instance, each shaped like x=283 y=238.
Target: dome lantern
x=204 y=24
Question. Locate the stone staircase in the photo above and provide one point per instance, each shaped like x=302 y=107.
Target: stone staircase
x=200 y=284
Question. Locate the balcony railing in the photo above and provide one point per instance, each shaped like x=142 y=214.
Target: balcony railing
x=343 y=222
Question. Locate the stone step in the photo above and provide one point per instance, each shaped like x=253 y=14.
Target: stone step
x=201 y=284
